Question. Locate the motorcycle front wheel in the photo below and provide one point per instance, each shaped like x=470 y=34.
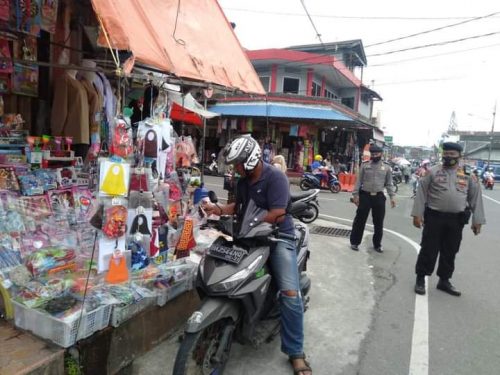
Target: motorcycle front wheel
x=304 y=185
x=308 y=220
x=196 y=355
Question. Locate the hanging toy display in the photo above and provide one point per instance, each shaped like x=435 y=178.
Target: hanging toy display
x=140 y=225
x=186 y=240
x=122 y=141
x=151 y=144
x=115 y=221
x=117 y=272
x=140 y=258
x=114 y=178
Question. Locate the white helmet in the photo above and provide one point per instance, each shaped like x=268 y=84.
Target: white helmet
x=243 y=150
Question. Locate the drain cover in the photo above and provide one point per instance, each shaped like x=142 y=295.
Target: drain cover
x=330 y=231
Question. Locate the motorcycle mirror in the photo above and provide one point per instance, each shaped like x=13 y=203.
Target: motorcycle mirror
x=213 y=196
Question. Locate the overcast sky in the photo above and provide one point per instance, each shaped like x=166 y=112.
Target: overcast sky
x=419 y=94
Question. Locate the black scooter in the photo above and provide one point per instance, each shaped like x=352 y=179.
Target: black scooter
x=239 y=298
x=308 y=213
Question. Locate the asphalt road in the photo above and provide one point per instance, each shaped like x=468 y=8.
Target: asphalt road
x=463 y=333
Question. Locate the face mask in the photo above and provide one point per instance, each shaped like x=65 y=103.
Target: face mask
x=376 y=159
x=449 y=161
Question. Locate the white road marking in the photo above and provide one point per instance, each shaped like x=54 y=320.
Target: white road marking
x=209 y=184
x=491 y=199
x=327 y=199
x=419 y=357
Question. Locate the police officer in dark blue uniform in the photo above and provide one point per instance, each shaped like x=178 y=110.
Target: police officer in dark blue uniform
x=368 y=194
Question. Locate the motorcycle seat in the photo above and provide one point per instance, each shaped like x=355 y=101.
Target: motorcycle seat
x=298 y=196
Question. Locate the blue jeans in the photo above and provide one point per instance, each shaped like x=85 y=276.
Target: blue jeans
x=285 y=273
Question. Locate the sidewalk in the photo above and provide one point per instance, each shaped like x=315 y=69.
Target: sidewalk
x=338 y=319
x=22 y=353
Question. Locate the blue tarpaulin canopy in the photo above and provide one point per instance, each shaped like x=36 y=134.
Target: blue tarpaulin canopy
x=279 y=110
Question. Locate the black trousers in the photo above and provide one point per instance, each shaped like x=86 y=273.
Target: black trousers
x=442 y=235
x=367 y=202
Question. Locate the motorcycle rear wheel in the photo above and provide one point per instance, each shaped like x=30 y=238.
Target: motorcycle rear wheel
x=304 y=185
x=195 y=355
x=335 y=188
x=309 y=220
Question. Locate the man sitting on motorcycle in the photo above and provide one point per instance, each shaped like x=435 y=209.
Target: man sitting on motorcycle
x=318 y=169
x=269 y=188
x=488 y=174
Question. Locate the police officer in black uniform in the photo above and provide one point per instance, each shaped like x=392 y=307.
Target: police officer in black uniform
x=446 y=197
x=368 y=194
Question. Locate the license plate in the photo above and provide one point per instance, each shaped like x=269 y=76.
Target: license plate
x=226 y=253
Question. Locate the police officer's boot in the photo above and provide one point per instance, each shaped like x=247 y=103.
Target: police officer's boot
x=420 y=285
x=447 y=287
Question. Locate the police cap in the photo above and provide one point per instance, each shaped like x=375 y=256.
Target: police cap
x=452 y=146
x=375 y=148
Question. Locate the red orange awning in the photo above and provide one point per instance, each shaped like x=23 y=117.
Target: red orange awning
x=179 y=113
x=190 y=39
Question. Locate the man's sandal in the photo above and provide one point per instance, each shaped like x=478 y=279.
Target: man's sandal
x=300 y=370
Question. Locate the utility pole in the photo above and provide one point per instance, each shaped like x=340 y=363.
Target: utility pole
x=491 y=133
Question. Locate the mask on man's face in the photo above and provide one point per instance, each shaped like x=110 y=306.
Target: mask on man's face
x=450 y=161
x=376 y=159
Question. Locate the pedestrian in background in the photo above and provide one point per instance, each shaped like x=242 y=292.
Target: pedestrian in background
x=374 y=175
x=406 y=173
x=279 y=162
x=446 y=197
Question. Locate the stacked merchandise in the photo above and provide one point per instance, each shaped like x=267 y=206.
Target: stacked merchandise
x=75 y=258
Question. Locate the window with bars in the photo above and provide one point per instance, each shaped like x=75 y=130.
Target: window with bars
x=316 y=89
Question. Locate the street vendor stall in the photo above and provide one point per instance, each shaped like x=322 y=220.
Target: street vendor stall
x=99 y=219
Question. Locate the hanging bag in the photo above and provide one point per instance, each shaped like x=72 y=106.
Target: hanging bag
x=151 y=144
x=114 y=180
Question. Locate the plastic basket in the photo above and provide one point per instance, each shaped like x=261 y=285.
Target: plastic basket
x=63 y=332
x=174 y=291
x=121 y=314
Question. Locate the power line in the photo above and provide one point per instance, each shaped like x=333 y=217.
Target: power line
x=374 y=18
x=311 y=60
x=434 y=44
x=433 y=30
x=418 y=81
x=319 y=56
x=318 y=35
x=435 y=55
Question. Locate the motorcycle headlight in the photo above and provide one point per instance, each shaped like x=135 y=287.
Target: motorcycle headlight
x=240 y=276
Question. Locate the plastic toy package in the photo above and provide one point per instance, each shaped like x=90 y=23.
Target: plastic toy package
x=121 y=139
x=62 y=203
x=115 y=221
x=37 y=206
x=8 y=179
x=10 y=255
x=185 y=152
x=31 y=184
x=84 y=202
x=51 y=260
x=48 y=177
x=114 y=178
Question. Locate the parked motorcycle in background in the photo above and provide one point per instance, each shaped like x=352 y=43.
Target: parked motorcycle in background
x=308 y=212
x=213 y=168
